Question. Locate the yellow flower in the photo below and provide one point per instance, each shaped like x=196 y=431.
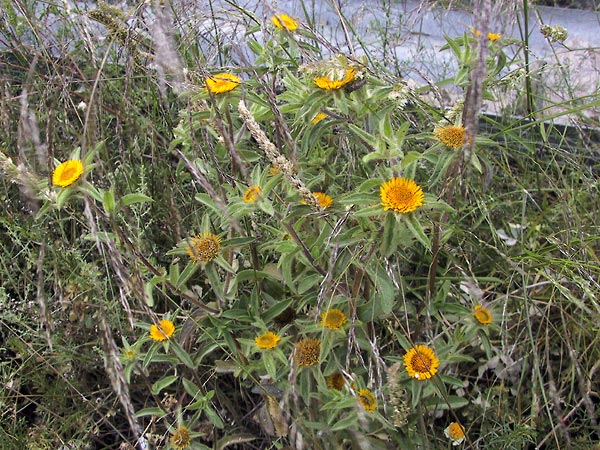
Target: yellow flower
x=323 y=199
x=320 y=116
x=252 y=194
x=336 y=381
x=164 y=330
x=204 y=247
x=222 y=82
x=367 y=400
x=308 y=352
x=330 y=85
x=421 y=362
x=456 y=432
x=180 y=439
x=452 y=136
x=482 y=314
x=282 y=21
x=67 y=173
x=475 y=32
x=267 y=340
x=491 y=36
x=401 y=195
x=333 y=319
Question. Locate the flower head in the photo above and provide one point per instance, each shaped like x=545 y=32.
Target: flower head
x=204 y=247
x=308 y=352
x=456 y=432
x=421 y=362
x=267 y=340
x=494 y=36
x=332 y=84
x=163 y=331
x=333 y=319
x=282 y=21
x=252 y=194
x=323 y=199
x=222 y=82
x=67 y=173
x=401 y=195
x=180 y=439
x=320 y=116
x=482 y=314
x=452 y=136
x=336 y=381
x=367 y=400
x=129 y=354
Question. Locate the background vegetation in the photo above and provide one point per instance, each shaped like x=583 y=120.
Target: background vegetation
x=510 y=223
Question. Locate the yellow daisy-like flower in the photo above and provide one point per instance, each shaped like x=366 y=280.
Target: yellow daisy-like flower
x=452 y=136
x=222 y=82
x=475 y=32
x=333 y=319
x=252 y=194
x=67 y=173
x=308 y=352
x=482 y=314
x=204 y=247
x=367 y=400
x=336 y=381
x=323 y=199
x=320 y=116
x=163 y=331
x=267 y=340
x=401 y=195
x=331 y=85
x=181 y=438
x=282 y=21
x=421 y=362
x=494 y=36
x=456 y=432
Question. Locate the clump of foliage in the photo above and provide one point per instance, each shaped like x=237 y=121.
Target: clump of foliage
x=273 y=244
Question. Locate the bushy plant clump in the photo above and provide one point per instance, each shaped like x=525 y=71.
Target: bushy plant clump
x=277 y=244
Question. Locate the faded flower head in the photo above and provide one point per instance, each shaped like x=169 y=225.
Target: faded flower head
x=67 y=173
x=163 y=331
x=336 y=381
x=308 y=352
x=452 y=136
x=421 y=362
x=482 y=314
x=455 y=432
x=252 y=194
x=282 y=21
x=333 y=319
x=204 y=247
x=181 y=438
x=222 y=82
x=267 y=341
x=401 y=195
x=554 y=33
x=367 y=400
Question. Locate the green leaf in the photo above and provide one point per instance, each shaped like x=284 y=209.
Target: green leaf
x=182 y=355
x=190 y=269
x=416 y=229
x=163 y=383
x=155 y=411
x=191 y=388
x=130 y=199
x=347 y=422
x=233 y=439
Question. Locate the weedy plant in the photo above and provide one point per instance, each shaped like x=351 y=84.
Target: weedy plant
x=270 y=243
